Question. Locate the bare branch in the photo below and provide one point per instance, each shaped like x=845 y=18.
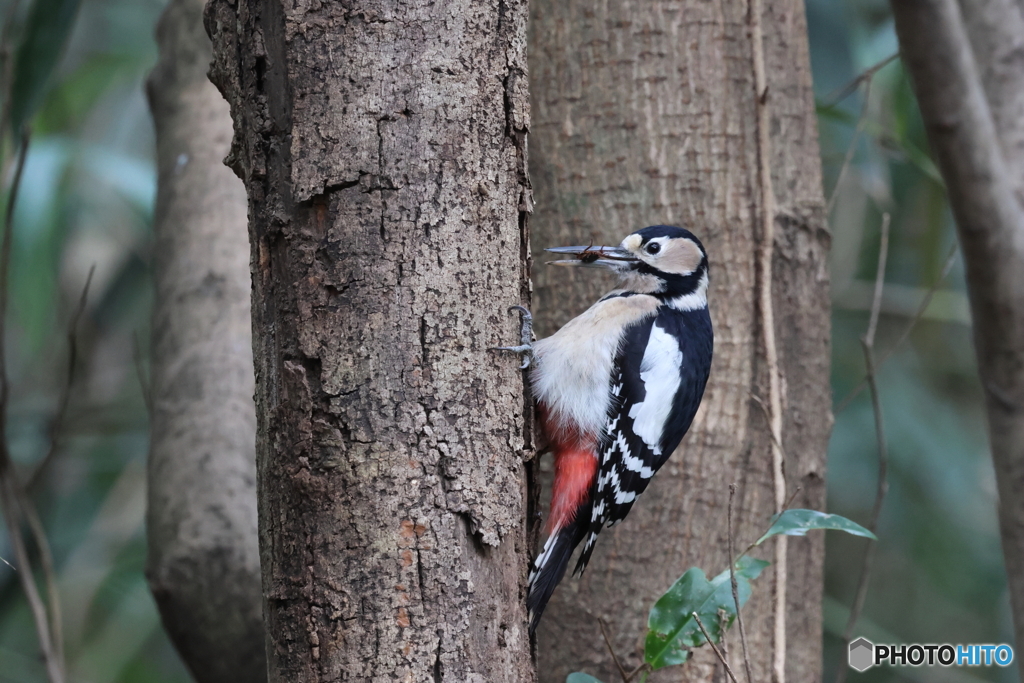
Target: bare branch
x=611 y=651
x=868 y=341
x=985 y=200
x=46 y=565
x=785 y=507
x=862 y=121
x=140 y=373
x=723 y=625
x=735 y=588
x=6 y=68
x=12 y=499
x=703 y=630
x=925 y=302
x=9 y=495
x=775 y=438
x=995 y=29
x=35 y=525
x=867 y=75
x=65 y=395
x=876 y=304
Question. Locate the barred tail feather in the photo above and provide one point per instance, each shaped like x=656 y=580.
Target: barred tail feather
x=588 y=550
x=550 y=566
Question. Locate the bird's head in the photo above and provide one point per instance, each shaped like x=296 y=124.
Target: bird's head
x=663 y=260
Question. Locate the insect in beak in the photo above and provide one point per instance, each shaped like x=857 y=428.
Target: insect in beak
x=592 y=257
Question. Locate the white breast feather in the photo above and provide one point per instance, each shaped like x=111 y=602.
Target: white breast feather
x=573 y=369
x=659 y=371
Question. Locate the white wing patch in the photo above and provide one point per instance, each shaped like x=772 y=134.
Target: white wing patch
x=659 y=371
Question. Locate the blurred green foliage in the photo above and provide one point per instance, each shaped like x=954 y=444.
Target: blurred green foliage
x=87 y=199
x=938 y=576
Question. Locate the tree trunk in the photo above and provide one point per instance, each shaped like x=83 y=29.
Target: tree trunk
x=647 y=114
x=967 y=75
x=383 y=151
x=203 y=564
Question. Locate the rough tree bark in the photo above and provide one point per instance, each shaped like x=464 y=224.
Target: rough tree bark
x=968 y=75
x=203 y=564
x=647 y=113
x=383 y=151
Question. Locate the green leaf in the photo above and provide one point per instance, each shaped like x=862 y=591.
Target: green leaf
x=799 y=522
x=46 y=32
x=672 y=630
x=580 y=677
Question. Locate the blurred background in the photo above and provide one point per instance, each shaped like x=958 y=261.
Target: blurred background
x=938 y=576
x=86 y=202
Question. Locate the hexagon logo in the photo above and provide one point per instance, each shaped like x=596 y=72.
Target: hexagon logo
x=862 y=654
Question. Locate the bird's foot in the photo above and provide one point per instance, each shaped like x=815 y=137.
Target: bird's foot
x=525 y=348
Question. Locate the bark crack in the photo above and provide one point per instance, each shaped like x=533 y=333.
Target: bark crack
x=423 y=343
x=438 y=673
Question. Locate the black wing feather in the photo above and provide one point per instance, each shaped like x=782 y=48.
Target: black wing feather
x=627 y=462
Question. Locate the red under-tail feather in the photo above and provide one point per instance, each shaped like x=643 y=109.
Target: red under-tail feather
x=575 y=469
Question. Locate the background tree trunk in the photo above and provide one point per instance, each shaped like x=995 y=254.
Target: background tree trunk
x=203 y=564
x=646 y=114
x=383 y=150
x=968 y=74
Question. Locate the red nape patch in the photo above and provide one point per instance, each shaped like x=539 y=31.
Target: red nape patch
x=574 y=473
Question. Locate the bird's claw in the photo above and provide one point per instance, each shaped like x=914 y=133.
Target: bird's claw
x=525 y=348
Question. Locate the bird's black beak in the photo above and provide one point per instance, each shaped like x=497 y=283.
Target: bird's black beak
x=613 y=258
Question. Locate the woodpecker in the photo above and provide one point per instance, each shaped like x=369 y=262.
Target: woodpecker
x=617 y=388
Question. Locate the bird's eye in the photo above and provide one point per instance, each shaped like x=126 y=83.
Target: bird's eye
x=653 y=248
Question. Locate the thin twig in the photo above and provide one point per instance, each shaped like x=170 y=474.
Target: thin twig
x=645 y=667
x=65 y=395
x=868 y=342
x=785 y=507
x=876 y=303
x=611 y=651
x=768 y=416
x=9 y=506
x=841 y=94
x=867 y=78
x=5 y=251
x=735 y=588
x=723 y=627
x=703 y=630
x=862 y=121
x=35 y=525
x=6 y=69
x=12 y=499
x=140 y=372
x=925 y=302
